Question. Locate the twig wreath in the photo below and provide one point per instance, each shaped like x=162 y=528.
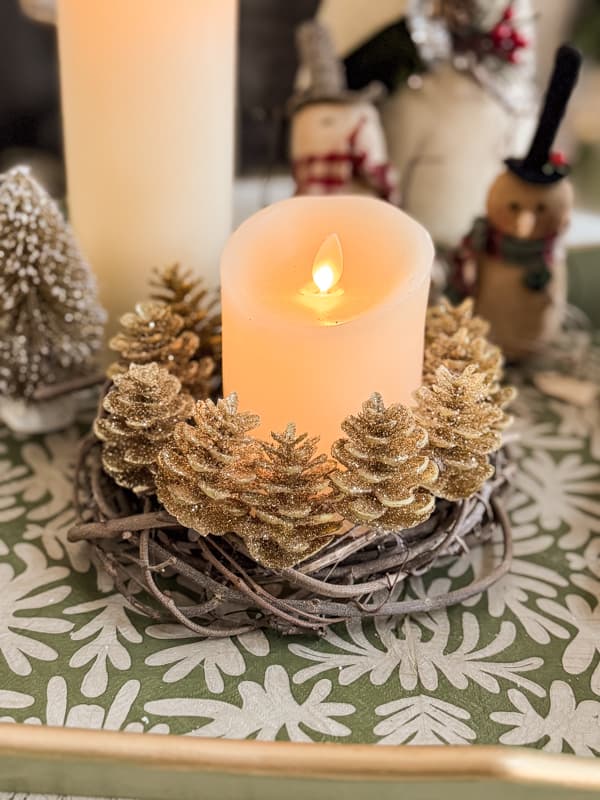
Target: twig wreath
x=198 y=521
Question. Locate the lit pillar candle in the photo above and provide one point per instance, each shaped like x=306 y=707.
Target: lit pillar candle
x=148 y=92
x=324 y=302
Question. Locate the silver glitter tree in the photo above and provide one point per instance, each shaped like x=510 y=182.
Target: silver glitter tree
x=51 y=323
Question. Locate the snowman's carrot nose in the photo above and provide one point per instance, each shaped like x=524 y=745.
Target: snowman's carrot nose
x=525 y=223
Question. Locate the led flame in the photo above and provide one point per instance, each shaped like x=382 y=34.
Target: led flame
x=328 y=264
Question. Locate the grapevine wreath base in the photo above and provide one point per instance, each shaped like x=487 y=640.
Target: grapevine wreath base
x=213 y=587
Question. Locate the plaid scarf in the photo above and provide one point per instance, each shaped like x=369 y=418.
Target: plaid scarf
x=334 y=172
x=534 y=256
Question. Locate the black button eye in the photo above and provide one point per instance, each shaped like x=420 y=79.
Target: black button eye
x=514 y=206
x=540 y=208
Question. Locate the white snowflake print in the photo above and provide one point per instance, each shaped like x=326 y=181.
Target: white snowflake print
x=581 y=422
x=526 y=580
x=108 y=629
x=576 y=725
x=11 y=485
x=217 y=657
x=51 y=467
x=12 y=700
x=581 y=650
x=58 y=713
x=551 y=493
x=423 y=720
x=588 y=560
x=526 y=435
x=265 y=711
x=404 y=648
x=52 y=535
x=31 y=589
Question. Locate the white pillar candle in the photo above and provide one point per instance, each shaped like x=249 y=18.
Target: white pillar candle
x=294 y=354
x=148 y=109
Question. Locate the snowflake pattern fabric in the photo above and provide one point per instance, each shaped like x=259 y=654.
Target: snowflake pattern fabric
x=519 y=665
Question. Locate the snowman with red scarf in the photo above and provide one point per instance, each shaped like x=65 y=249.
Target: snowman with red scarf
x=513 y=260
x=337 y=143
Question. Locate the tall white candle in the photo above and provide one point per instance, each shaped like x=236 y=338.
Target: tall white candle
x=148 y=90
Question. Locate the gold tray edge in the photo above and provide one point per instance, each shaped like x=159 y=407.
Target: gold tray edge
x=328 y=761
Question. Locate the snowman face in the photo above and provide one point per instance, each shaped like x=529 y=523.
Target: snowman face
x=529 y=210
x=319 y=128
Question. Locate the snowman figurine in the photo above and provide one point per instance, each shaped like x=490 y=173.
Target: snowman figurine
x=337 y=145
x=513 y=261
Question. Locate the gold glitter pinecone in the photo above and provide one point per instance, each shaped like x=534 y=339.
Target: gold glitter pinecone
x=388 y=473
x=153 y=333
x=51 y=323
x=463 y=427
x=206 y=466
x=447 y=319
x=291 y=513
x=455 y=338
x=142 y=408
x=187 y=296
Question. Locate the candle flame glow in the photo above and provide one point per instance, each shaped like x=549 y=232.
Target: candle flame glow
x=328 y=264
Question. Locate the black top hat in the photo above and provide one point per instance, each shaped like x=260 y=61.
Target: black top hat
x=538 y=165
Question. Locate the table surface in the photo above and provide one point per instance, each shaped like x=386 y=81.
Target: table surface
x=519 y=665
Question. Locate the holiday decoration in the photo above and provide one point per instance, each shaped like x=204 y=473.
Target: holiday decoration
x=153 y=333
x=51 y=325
x=299 y=539
x=458 y=104
x=142 y=408
x=337 y=144
x=206 y=466
x=445 y=319
x=388 y=472
x=188 y=296
x=291 y=511
x=512 y=259
x=455 y=338
x=463 y=427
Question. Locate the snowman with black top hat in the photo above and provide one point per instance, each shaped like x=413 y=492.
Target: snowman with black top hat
x=513 y=260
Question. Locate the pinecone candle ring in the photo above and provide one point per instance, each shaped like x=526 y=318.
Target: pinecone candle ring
x=291 y=508
x=389 y=474
x=153 y=333
x=142 y=408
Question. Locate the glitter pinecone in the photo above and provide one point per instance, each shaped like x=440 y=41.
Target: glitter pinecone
x=51 y=324
x=388 y=473
x=206 y=466
x=142 y=408
x=153 y=333
x=187 y=296
x=463 y=427
x=447 y=319
x=291 y=514
x=455 y=339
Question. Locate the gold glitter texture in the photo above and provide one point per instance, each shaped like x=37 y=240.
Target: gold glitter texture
x=153 y=333
x=290 y=503
x=51 y=324
x=206 y=465
x=142 y=409
x=463 y=427
x=447 y=319
x=388 y=473
x=454 y=339
x=187 y=296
